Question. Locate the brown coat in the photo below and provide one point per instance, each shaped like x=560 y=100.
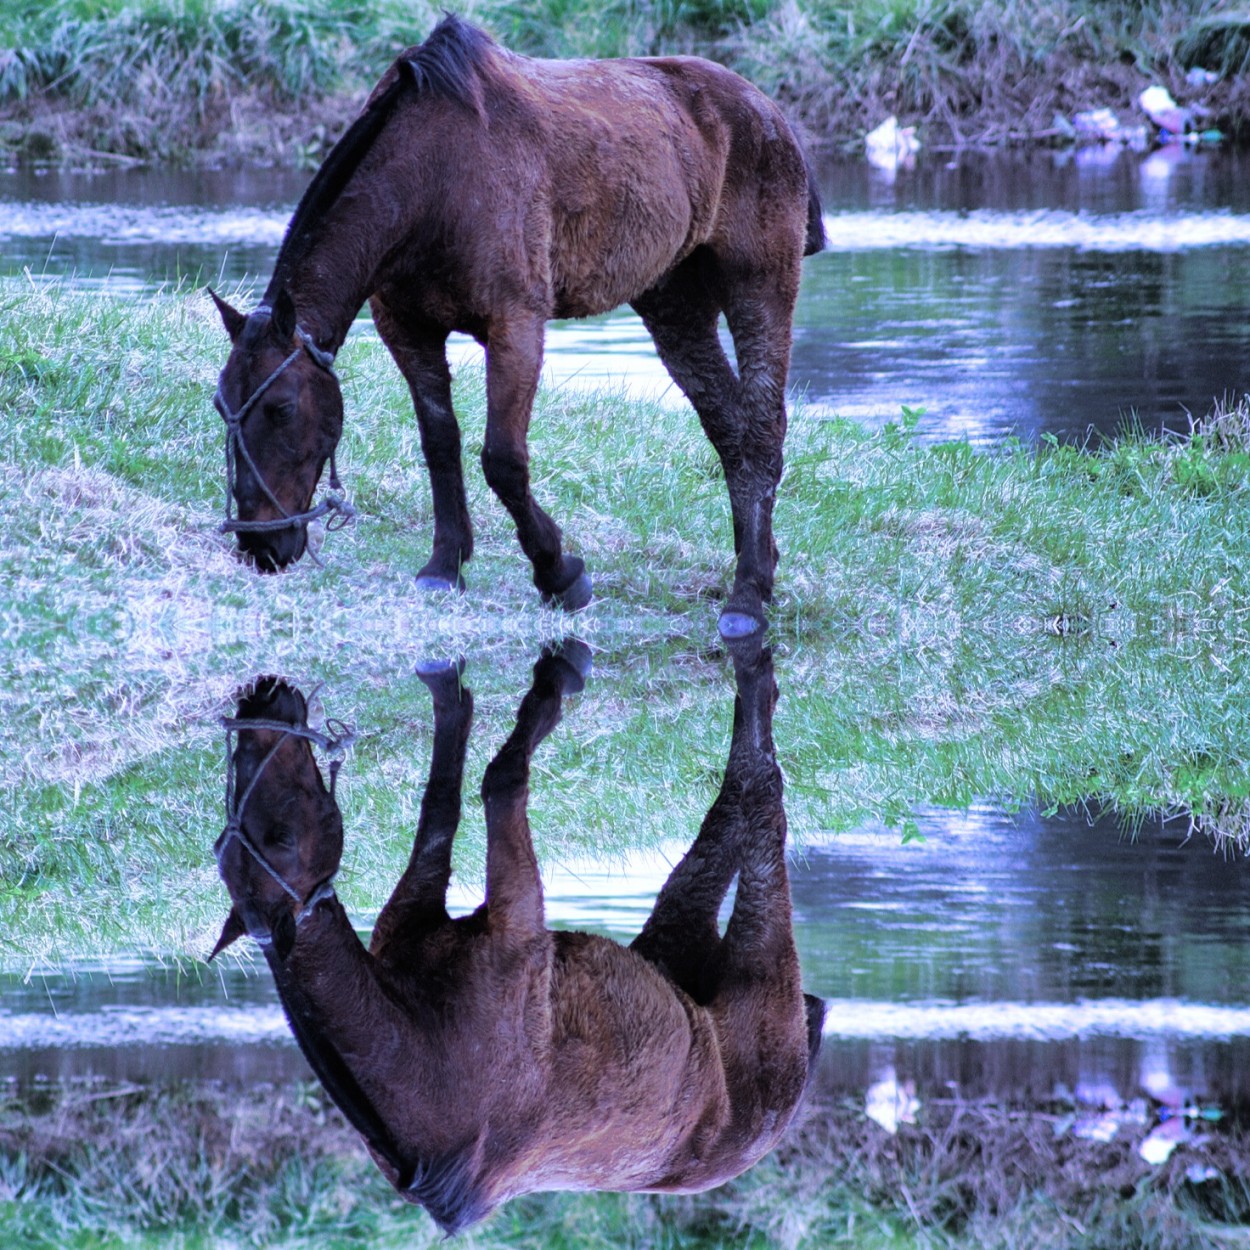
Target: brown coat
x=487 y=193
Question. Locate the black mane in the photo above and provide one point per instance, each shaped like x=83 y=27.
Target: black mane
x=447 y=1188
x=444 y=65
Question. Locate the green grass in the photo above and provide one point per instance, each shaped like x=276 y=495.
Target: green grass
x=1058 y=625
x=221 y=80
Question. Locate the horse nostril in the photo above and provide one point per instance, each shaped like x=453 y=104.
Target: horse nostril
x=268 y=553
x=262 y=556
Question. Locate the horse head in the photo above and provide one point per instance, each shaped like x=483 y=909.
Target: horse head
x=283 y=837
x=280 y=399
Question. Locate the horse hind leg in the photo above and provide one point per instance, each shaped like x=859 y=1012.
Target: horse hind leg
x=743 y=413
x=759 y=938
x=422 y=359
x=418 y=903
x=769 y=1030
x=759 y=307
x=745 y=828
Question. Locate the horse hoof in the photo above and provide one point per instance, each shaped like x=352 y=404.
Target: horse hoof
x=738 y=625
x=427 y=583
x=576 y=659
x=576 y=597
x=437 y=667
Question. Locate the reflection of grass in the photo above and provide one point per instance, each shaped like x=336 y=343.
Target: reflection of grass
x=200 y=1166
x=950 y=625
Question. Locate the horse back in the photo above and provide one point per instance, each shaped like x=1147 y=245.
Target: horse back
x=580 y=184
x=651 y=158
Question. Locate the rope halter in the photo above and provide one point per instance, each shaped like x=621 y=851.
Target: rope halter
x=335 y=745
x=236 y=447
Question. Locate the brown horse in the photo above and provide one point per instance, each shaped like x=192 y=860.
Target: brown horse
x=485 y=1057
x=487 y=193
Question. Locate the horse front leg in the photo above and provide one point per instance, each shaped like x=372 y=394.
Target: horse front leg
x=418 y=904
x=513 y=362
x=420 y=351
x=514 y=893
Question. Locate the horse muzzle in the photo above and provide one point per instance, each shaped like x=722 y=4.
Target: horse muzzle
x=268 y=551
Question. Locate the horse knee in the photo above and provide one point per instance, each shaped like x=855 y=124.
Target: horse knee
x=506 y=472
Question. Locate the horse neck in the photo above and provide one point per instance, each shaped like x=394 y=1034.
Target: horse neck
x=340 y=259
x=328 y=294
x=328 y=983
x=341 y=1018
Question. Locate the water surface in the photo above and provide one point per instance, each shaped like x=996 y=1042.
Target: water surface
x=1055 y=293
x=1010 y=954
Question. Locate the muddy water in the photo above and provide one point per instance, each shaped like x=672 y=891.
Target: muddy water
x=1053 y=294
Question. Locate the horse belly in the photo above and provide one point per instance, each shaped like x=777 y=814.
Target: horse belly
x=632 y=192
x=608 y=256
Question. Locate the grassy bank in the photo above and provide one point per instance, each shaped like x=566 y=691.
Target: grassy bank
x=1057 y=624
x=94 y=1166
x=215 y=80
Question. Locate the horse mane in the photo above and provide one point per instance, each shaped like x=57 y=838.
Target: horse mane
x=444 y=66
x=446 y=1186
x=814 y=1011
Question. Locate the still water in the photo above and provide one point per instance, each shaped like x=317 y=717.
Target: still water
x=1006 y=954
x=1055 y=293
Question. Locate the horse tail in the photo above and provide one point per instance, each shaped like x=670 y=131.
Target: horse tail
x=814 y=1010
x=816 y=239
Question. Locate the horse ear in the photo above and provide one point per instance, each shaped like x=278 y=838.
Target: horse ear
x=284 y=315
x=231 y=931
x=231 y=318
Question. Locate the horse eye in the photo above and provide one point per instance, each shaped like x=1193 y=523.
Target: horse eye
x=281 y=414
x=281 y=835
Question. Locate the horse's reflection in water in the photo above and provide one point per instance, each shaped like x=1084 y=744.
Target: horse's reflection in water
x=486 y=1057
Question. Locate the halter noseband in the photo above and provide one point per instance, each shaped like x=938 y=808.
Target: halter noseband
x=235 y=445
x=334 y=746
